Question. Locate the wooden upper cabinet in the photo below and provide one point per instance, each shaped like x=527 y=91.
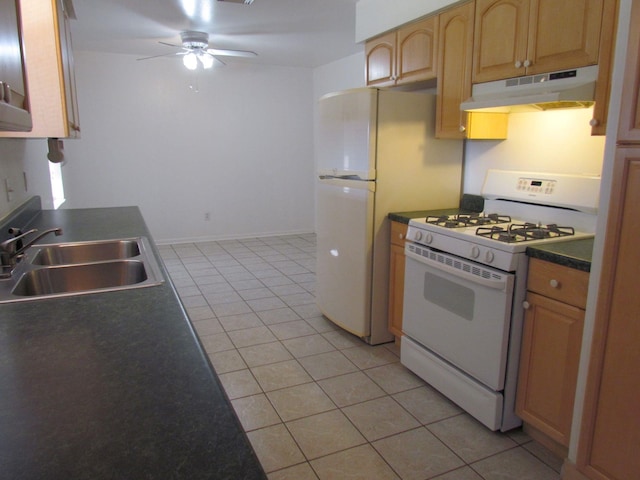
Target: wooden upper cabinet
x=380 y=54
x=404 y=55
x=629 y=128
x=14 y=101
x=454 y=67
x=50 y=71
x=605 y=66
x=416 y=52
x=525 y=37
x=500 y=39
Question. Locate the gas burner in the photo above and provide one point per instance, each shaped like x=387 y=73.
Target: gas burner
x=467 y=220
x=524 y=232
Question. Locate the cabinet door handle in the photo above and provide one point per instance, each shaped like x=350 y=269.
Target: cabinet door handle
x=518 y=64
x=462 y=128
x=401 y=236
x=594 y=122
x=554 y=283
x=527 y=63
x=526 y=305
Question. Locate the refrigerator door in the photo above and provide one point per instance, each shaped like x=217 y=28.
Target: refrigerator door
x=347 y=134
x=344 y=252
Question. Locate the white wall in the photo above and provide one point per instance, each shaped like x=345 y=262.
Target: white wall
x=21 y=160
x=555 y=142
x=241 y=149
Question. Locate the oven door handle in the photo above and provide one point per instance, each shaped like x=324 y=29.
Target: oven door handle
x=495 y=284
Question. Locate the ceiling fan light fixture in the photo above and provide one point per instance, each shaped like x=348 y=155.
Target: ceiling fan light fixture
x=206 y=60
x=190 y=61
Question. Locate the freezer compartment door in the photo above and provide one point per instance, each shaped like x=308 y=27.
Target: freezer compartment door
x=347 y=133
x=344 y=253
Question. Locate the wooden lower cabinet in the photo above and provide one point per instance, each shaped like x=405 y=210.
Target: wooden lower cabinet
x=550 y=355
x=396 y=276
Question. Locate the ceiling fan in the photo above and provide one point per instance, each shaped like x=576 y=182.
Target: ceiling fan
x=195 y=49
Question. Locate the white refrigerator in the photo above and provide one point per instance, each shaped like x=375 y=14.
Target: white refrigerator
x=376 y=154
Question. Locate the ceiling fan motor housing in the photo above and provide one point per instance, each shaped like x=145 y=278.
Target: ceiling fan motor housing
x=195 y=40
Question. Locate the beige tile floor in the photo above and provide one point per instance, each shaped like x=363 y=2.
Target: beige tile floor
x=315 y=401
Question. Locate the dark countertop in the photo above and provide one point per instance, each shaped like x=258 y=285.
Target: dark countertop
x=112 y=385
x=572 y=253
x=469 y=203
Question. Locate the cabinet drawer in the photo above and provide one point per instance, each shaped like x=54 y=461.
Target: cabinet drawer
x=398 y=233
x=564 y=284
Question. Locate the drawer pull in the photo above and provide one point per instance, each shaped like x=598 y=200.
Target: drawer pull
x=554 y=283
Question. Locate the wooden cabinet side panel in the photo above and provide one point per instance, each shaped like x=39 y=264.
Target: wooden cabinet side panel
x=563 y=34
x=454 y=70
x=417 y=51
x=500 y=39
x=611 y=422
x=396 y=276
x=549 y=366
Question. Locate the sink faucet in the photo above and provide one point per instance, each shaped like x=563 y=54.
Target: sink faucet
x=12 y=249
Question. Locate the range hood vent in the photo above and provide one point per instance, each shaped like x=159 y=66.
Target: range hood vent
x=548 y=91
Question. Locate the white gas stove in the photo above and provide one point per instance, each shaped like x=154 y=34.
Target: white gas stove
x=521 y=209
x=465 y=284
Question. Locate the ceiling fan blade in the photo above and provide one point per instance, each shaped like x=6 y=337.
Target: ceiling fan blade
x=163 y=55
x=232 y=53
x=170 y=44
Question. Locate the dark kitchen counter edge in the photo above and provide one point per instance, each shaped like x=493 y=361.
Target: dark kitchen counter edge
x=572 y=253
x=111 y=385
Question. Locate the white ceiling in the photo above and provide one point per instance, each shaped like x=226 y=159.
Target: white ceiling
x=304 y=33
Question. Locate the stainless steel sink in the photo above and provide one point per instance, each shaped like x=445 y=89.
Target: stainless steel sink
x=80 y=278
x=74 y=268
x=85 y=252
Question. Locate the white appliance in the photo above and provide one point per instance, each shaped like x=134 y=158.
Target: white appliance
x=573 y=88
x=465 y=284
x=377 y=154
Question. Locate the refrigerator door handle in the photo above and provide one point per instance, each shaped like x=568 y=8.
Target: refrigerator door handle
x=348 y=174
x=349 y=183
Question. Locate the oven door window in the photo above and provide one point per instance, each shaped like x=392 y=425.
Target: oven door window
x=462 y=317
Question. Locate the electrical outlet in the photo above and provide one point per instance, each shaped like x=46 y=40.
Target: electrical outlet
x=8 y=189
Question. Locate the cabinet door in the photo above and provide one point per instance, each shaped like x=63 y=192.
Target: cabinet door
x=608 y=31
x=396 y=277
x=380 y=54
x=549 y=366
x=610 y=432
x=455 y=41
x=500 y=39
x=416 y=55
x=629 y=129
x=563 y=34
x=14 y=104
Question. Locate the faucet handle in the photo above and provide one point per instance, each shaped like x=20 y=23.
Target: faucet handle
x=16 y=232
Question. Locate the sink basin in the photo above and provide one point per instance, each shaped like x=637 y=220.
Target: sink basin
x=75 y=268
x=79 y=278
x=86 y=252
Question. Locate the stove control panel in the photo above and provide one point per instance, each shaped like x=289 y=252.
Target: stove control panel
x=534 y=185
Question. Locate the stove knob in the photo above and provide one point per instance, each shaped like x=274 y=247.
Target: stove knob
x=428 y=239
x=417 y=236
x=489 y=256
x=475 y=252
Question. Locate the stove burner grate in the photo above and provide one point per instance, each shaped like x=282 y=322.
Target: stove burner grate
x=462 y=220
x=524 y=232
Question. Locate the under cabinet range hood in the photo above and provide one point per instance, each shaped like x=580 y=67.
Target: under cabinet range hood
x=534 y=93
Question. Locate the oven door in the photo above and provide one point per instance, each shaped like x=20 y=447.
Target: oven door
x=459 y=310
